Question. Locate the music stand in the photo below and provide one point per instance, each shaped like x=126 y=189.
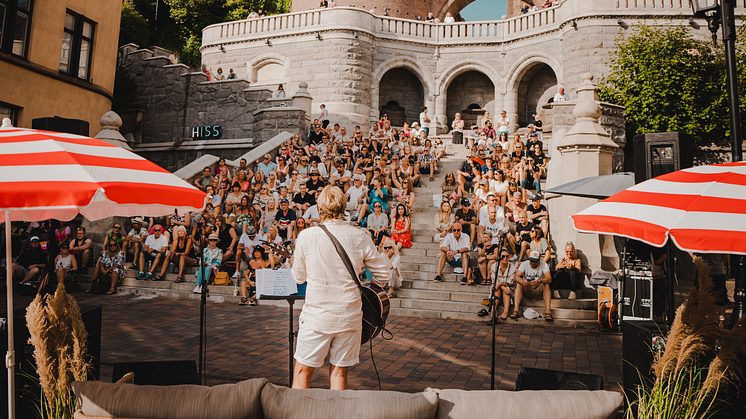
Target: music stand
x=291 y=299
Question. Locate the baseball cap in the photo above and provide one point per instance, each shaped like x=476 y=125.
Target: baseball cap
x=34 y=239
x=533 y=256
x=284 y=200
x=465 y=201
x=415 y=124
x=536 y=198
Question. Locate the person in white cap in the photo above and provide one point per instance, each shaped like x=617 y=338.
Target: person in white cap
x=533 y=278
x=135 y=238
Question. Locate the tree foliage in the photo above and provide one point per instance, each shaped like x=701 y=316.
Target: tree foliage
x=670 y=81
x=179 y=23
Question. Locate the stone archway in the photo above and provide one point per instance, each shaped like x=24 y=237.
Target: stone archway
x=401 y=95
x=536 y=83
x=471 y=93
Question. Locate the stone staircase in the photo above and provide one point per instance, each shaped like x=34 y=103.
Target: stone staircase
x=419 y=295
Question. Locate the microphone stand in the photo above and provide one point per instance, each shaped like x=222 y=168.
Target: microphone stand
x=493 y=312
x=202 y=311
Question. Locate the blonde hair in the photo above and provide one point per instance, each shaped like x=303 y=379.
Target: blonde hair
x=444 y=217
x=331 y=203
x=389 y=242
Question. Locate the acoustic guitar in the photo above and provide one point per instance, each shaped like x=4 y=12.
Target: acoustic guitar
x=376 y=306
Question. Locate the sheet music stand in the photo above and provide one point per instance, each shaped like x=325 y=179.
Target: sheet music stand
x=291 y=299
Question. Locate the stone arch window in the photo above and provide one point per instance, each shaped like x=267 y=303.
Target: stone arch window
x=535 y=86
x=464 y=95
x=269 y=72
x=403 y=94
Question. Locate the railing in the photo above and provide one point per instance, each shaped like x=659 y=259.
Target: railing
x=530 y=21
x=265 y=26
x=663 y=4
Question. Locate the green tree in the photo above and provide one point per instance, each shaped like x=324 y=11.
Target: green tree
x=133 y=26
x=670 y=81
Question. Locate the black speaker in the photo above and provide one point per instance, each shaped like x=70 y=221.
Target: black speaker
x=57 y=124
x=540 y=379
x=158 y=373
x=641 y=340
x=26 y=387
x=660 y=153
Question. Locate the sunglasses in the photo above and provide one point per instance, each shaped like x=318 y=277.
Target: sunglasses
x=456 y=229
x=117 y=227
x=212 y=240
x=504 y=256
x=294 y=173
x=158 y=229
x=64 y=248
x=388 y=248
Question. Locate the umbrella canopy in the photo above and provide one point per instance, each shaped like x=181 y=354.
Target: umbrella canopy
x=54 y=175
x=702 y=209
x=598 y=187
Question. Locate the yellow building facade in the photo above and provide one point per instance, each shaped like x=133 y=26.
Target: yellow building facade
x=58 y=58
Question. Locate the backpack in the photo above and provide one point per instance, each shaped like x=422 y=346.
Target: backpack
x=222 y=278
x=101 y=284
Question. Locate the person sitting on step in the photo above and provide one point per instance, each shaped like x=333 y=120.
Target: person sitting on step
x=534 y=281
x=454 y=250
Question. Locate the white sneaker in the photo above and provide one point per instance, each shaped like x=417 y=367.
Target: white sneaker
x=236 y=274
x=514 y=258
x=458 y=271
x=556 y=294
x=197 y=289
x=572 y=296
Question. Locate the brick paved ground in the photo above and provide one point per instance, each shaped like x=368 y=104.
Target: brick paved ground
x=246 y=342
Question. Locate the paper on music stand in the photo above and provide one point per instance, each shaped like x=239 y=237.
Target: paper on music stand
x=275 y=282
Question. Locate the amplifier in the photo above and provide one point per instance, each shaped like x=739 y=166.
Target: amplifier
x=644 y=295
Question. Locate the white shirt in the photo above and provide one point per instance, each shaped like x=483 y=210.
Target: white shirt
x=500 y=213
x=333 y=302
x=248 y=243
x=561 y=98
x=138 y=234
x=449 y=19
x=356 y=193
x=324 y=115
x=312 y=212
x=502 y=124
x=423 y=115
x=507 y=276
x=530 y=274
x=156 y=245
x=493 y=228
x=452 y=244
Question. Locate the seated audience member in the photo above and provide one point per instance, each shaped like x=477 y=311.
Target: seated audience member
x=302 y=200
x=539 y=243
x=356 y=194
x=231 y=75
x=377 y=193
x=233 y=198
x=315 y=183
x=426 y=163
x=280 y=92
x=227 y=238
x=514 y=208
x=467 y=173
x=401 y=228
x=134 y=239
x=444 y=219
x=472 y=136
x=248 y=241
x=394 y=262
x=63 y=232
x=377 y=222
x=406 y=195
x=450 y=189
x=181 y=254
x=268 y=216
x=454 y=250
x=82 y=248
x=519 y=243
x=467 y=217
x=487 y=254
x=259 y=260
x=246 y=215
x=531 y=175
x=30 y=262
x=340 y=176
x=285 y=220
x=567 y=276
x=111 y=262
x=492 y=224
x=534 y=281
x=503 y=274
x=538 y=214
x=115 y=234
x=211 y=260
x=64 y=263
x=311 y=216
x=154 y=251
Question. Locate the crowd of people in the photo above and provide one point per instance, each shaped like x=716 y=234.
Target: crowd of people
x=254 y=212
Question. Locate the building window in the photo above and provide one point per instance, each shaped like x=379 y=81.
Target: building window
x=77 y=45
x=15 y=22
x=9 y=111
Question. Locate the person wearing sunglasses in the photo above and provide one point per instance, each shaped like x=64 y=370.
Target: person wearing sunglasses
x=212 y=257
x=115 y=234
x=394 y=261
x=110 y=263
x=454 y=250
x=30 y=262
x=154 y=251
x=503 y=273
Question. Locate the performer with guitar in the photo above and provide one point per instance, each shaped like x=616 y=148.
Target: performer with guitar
x=331 y=322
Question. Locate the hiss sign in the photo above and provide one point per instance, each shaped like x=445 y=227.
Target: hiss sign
x=207 y=131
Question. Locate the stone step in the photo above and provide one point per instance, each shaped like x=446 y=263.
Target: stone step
x=408 y=312
x=214 y=296
x=477 y=298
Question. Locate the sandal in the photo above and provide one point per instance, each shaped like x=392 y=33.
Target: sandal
x=483 y=312
x=503 y=316
x=244 y=301
x=514 y=315
x=548 y=317
x=109 y=292
x=178 y=279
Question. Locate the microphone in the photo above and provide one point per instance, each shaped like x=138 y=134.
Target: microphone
x=504 y=231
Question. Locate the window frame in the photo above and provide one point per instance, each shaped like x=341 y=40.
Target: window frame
x=77 y=37
x=14 y=111
x=8 y=26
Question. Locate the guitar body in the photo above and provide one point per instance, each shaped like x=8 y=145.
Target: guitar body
x=376 y=307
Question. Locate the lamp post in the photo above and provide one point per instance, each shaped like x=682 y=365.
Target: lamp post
x=717 y=12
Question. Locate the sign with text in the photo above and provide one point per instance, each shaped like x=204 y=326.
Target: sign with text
x=275 y=282
x=207 y=131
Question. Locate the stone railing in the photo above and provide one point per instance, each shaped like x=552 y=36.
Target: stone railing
x=357 y=21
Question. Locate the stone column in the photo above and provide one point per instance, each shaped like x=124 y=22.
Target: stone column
x=439 y=119
x=510 y=105
x=587 y=150
x=110 y=123
x=302 y=99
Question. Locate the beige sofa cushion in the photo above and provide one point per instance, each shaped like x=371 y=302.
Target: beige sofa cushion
x=527 y=404
x=227 y=401
x=284 y=403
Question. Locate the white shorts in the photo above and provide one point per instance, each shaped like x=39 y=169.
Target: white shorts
x=343 y=348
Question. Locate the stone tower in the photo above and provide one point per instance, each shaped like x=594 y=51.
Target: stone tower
x=408 y=9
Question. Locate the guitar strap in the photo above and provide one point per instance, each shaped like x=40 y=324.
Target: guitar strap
x=380 y=321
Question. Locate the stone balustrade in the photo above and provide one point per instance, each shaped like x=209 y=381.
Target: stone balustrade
x=360 y=21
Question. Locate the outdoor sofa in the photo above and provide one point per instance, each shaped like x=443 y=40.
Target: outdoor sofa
x=257 y=398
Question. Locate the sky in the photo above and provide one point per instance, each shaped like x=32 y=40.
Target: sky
x=485 y=10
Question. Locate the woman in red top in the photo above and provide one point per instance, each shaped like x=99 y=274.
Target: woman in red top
x=400 y=228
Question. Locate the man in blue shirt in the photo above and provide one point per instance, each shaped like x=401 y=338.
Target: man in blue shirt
x=266 y=165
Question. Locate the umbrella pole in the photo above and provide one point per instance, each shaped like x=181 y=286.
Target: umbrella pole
x=739 y=295
x=10 y=360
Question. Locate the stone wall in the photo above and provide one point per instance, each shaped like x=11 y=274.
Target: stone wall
x=470 y=88
x=402 y=86
x=398 y=8
x=537 y=84
x=173 y=99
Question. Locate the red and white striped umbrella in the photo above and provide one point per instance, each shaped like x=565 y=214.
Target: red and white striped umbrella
x=702 y=209
x=47 y=175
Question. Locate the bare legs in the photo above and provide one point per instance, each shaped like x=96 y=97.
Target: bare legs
x=303 y=374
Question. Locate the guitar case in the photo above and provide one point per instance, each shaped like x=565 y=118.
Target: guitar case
x=375 y=300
